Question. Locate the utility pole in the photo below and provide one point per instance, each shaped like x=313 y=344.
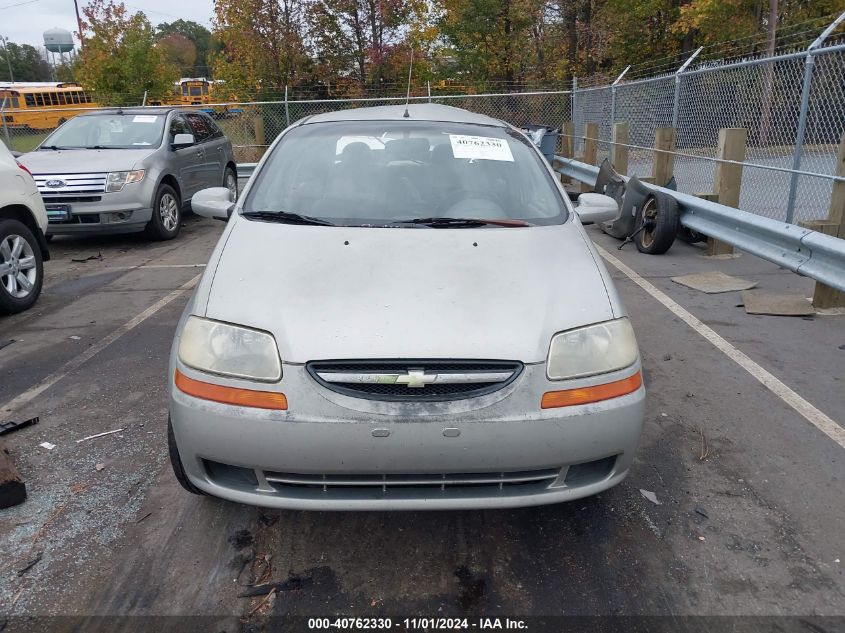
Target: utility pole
x=79 y=25
x=5 y=41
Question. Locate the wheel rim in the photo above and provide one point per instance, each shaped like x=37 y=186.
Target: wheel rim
x=169 y=211
x=232 y=184
x=18 y=269
x=649 y=222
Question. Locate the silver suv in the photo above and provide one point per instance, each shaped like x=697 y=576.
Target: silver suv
x=130 y=169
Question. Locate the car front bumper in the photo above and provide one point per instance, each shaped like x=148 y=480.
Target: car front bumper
x=333 y=452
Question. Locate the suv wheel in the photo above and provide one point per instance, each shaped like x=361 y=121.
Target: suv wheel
x=230 y=181
x=167 y=214
x=21 y=267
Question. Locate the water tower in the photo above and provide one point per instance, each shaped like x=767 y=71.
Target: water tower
x=58 y=41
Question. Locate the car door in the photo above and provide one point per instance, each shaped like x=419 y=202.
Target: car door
x=209 y=137
x=187 y=161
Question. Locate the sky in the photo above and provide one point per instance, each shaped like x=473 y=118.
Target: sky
x=24 y=21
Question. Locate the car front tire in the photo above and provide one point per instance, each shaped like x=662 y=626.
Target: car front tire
x=167 y=214
x=21 y=267
x=176 y=462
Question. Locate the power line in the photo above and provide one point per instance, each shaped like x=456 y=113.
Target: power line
x=18 y=4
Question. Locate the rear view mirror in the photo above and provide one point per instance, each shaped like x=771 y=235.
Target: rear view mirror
x=596 y=207
x=182 y=140
x=215 y=203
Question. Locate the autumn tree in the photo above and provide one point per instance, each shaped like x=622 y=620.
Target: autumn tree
x=365 y=38
x=201 y=37
x=120 y=61
x=263 y=44
x=180 y=52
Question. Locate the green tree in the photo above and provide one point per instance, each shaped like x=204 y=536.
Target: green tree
x=27 y=63
x=120 y=60
x=181 y=52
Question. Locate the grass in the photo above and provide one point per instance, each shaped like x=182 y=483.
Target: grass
x=25 y=141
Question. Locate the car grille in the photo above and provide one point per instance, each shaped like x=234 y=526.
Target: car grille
x=414 y=380
x=75 y=187
x=492 y=482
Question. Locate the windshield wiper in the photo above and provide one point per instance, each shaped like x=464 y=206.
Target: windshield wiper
x=57 y=147
x=285 y=217
x=437 y=222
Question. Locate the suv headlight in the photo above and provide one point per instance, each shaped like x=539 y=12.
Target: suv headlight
x=116 y=180
x=594 y=349
x=229 y=350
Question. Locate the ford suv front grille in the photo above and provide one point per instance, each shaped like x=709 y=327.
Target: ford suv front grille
x=414 y=380
x=63 y=187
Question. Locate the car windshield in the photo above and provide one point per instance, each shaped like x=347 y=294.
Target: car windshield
x=109 y=131
x=356 y=173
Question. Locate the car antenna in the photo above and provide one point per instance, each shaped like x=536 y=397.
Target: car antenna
x=408 y=96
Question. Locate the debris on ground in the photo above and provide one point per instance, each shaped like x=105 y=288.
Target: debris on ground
x=12 y=487
x=702 y=512
x=32 y=563
x=761 y=302
x=47 y=445
x=714 y=282
x=91 y=437
x=6 y=343
x=144 y=517
x=75 y=338
x=8 y=427
x=88 y=259
x=648 y=494
x=99 y=466
x=293 y=583
x=667 y=357
x=701 y=538
x=269 y=597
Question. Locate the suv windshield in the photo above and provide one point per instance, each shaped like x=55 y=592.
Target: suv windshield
x=109 y=131
x=380 y=173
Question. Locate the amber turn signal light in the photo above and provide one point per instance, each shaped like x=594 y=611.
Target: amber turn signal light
x=586 y=395
x=230 y=395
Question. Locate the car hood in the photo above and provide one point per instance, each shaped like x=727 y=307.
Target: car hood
x=73 y=161
x=343 y=293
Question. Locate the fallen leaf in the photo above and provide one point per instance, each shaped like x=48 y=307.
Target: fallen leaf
x=648 y=494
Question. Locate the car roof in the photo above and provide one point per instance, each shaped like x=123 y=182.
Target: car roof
x=416 y=112
x=134 y=110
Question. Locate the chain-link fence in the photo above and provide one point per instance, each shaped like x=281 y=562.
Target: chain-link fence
x=792 y=105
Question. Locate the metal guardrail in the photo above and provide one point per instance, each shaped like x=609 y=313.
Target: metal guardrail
x=245 y=170
x=803 y=251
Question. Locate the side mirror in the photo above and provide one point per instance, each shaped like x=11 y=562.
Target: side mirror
x=182 y=140
x=596 y=207
x=215 y=203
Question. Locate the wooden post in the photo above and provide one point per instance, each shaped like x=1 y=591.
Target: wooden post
x=567 y=140
x=825 y=296
x=567 y=145
x=664 y=160
x=619 y=153
x=12 y=487
x=260 y=138
x=591 y=134
x=728 y=177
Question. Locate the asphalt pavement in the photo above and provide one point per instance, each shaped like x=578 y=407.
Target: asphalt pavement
x=749 y=485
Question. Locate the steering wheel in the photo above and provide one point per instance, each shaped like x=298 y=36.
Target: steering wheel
x=476 y=205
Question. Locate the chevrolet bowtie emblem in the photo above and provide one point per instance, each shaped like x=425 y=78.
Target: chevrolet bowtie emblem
x=416 y=379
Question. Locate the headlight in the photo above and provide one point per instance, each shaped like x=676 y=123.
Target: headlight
x=229 y=350
x=118 y=179
x=595 y=349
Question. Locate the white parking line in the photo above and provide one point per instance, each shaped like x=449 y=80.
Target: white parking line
x=76 y=362
x=810 y=413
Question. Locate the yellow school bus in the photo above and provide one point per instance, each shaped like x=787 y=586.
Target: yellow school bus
x=42 y=105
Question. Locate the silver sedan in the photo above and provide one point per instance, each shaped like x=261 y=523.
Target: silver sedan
x=404 y=312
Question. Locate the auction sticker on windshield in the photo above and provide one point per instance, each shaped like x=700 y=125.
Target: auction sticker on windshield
x=480 y=147
x=145 y=118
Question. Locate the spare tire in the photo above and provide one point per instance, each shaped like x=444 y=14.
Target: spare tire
x=659 y=219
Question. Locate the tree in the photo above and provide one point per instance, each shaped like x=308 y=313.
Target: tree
x=27 y=63
x=263 y=44
x=361 y=38
x=201 y=37
x=120 y=60
x=180 y=52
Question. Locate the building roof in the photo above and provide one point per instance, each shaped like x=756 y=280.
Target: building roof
x=416 y=112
